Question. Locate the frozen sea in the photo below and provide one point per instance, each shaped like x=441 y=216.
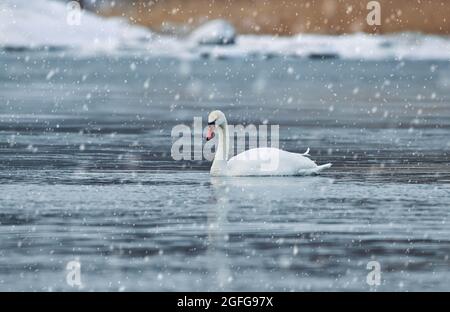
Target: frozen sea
x=86 y=174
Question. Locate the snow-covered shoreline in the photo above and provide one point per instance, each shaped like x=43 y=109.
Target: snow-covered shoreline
x=42 y=24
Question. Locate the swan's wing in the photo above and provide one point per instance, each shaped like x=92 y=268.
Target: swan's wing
x=268 y=161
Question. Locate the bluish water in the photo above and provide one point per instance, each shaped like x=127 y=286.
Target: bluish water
x=86 y=174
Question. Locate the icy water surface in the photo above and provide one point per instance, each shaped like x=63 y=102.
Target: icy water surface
x=86 y=174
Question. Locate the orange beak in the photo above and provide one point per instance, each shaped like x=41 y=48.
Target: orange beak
x=210 y=133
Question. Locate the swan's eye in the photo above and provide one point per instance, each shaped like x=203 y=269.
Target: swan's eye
x=212 y=123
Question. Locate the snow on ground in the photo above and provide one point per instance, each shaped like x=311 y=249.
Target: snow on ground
x=41 y=23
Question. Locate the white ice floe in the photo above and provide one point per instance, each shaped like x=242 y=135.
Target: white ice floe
x=43 y=23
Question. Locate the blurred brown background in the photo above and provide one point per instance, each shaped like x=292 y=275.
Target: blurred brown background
x=286 y=17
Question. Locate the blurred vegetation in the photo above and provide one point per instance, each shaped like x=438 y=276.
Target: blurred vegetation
x=284 y=17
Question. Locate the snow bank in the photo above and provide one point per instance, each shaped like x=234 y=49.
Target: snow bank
x=43 y=23
x=410 y=46
x=215 y=32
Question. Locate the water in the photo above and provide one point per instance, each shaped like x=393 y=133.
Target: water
x=86 y=174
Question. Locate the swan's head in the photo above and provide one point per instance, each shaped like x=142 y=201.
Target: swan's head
x=215 y=119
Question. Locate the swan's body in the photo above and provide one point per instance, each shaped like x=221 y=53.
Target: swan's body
x=257 y=162
x=263 y=161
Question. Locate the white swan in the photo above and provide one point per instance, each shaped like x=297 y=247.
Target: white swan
x=263 y=161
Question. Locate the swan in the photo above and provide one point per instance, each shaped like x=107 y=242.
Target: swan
x=262 y=161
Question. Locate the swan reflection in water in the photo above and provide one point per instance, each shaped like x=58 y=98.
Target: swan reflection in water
x=247 y=207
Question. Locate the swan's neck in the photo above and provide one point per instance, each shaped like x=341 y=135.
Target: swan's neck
x=219 y=165
x=222 y=148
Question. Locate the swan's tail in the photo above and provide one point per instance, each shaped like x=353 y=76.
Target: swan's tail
x=306 y=153
x=322 y=167
x=313 y=171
